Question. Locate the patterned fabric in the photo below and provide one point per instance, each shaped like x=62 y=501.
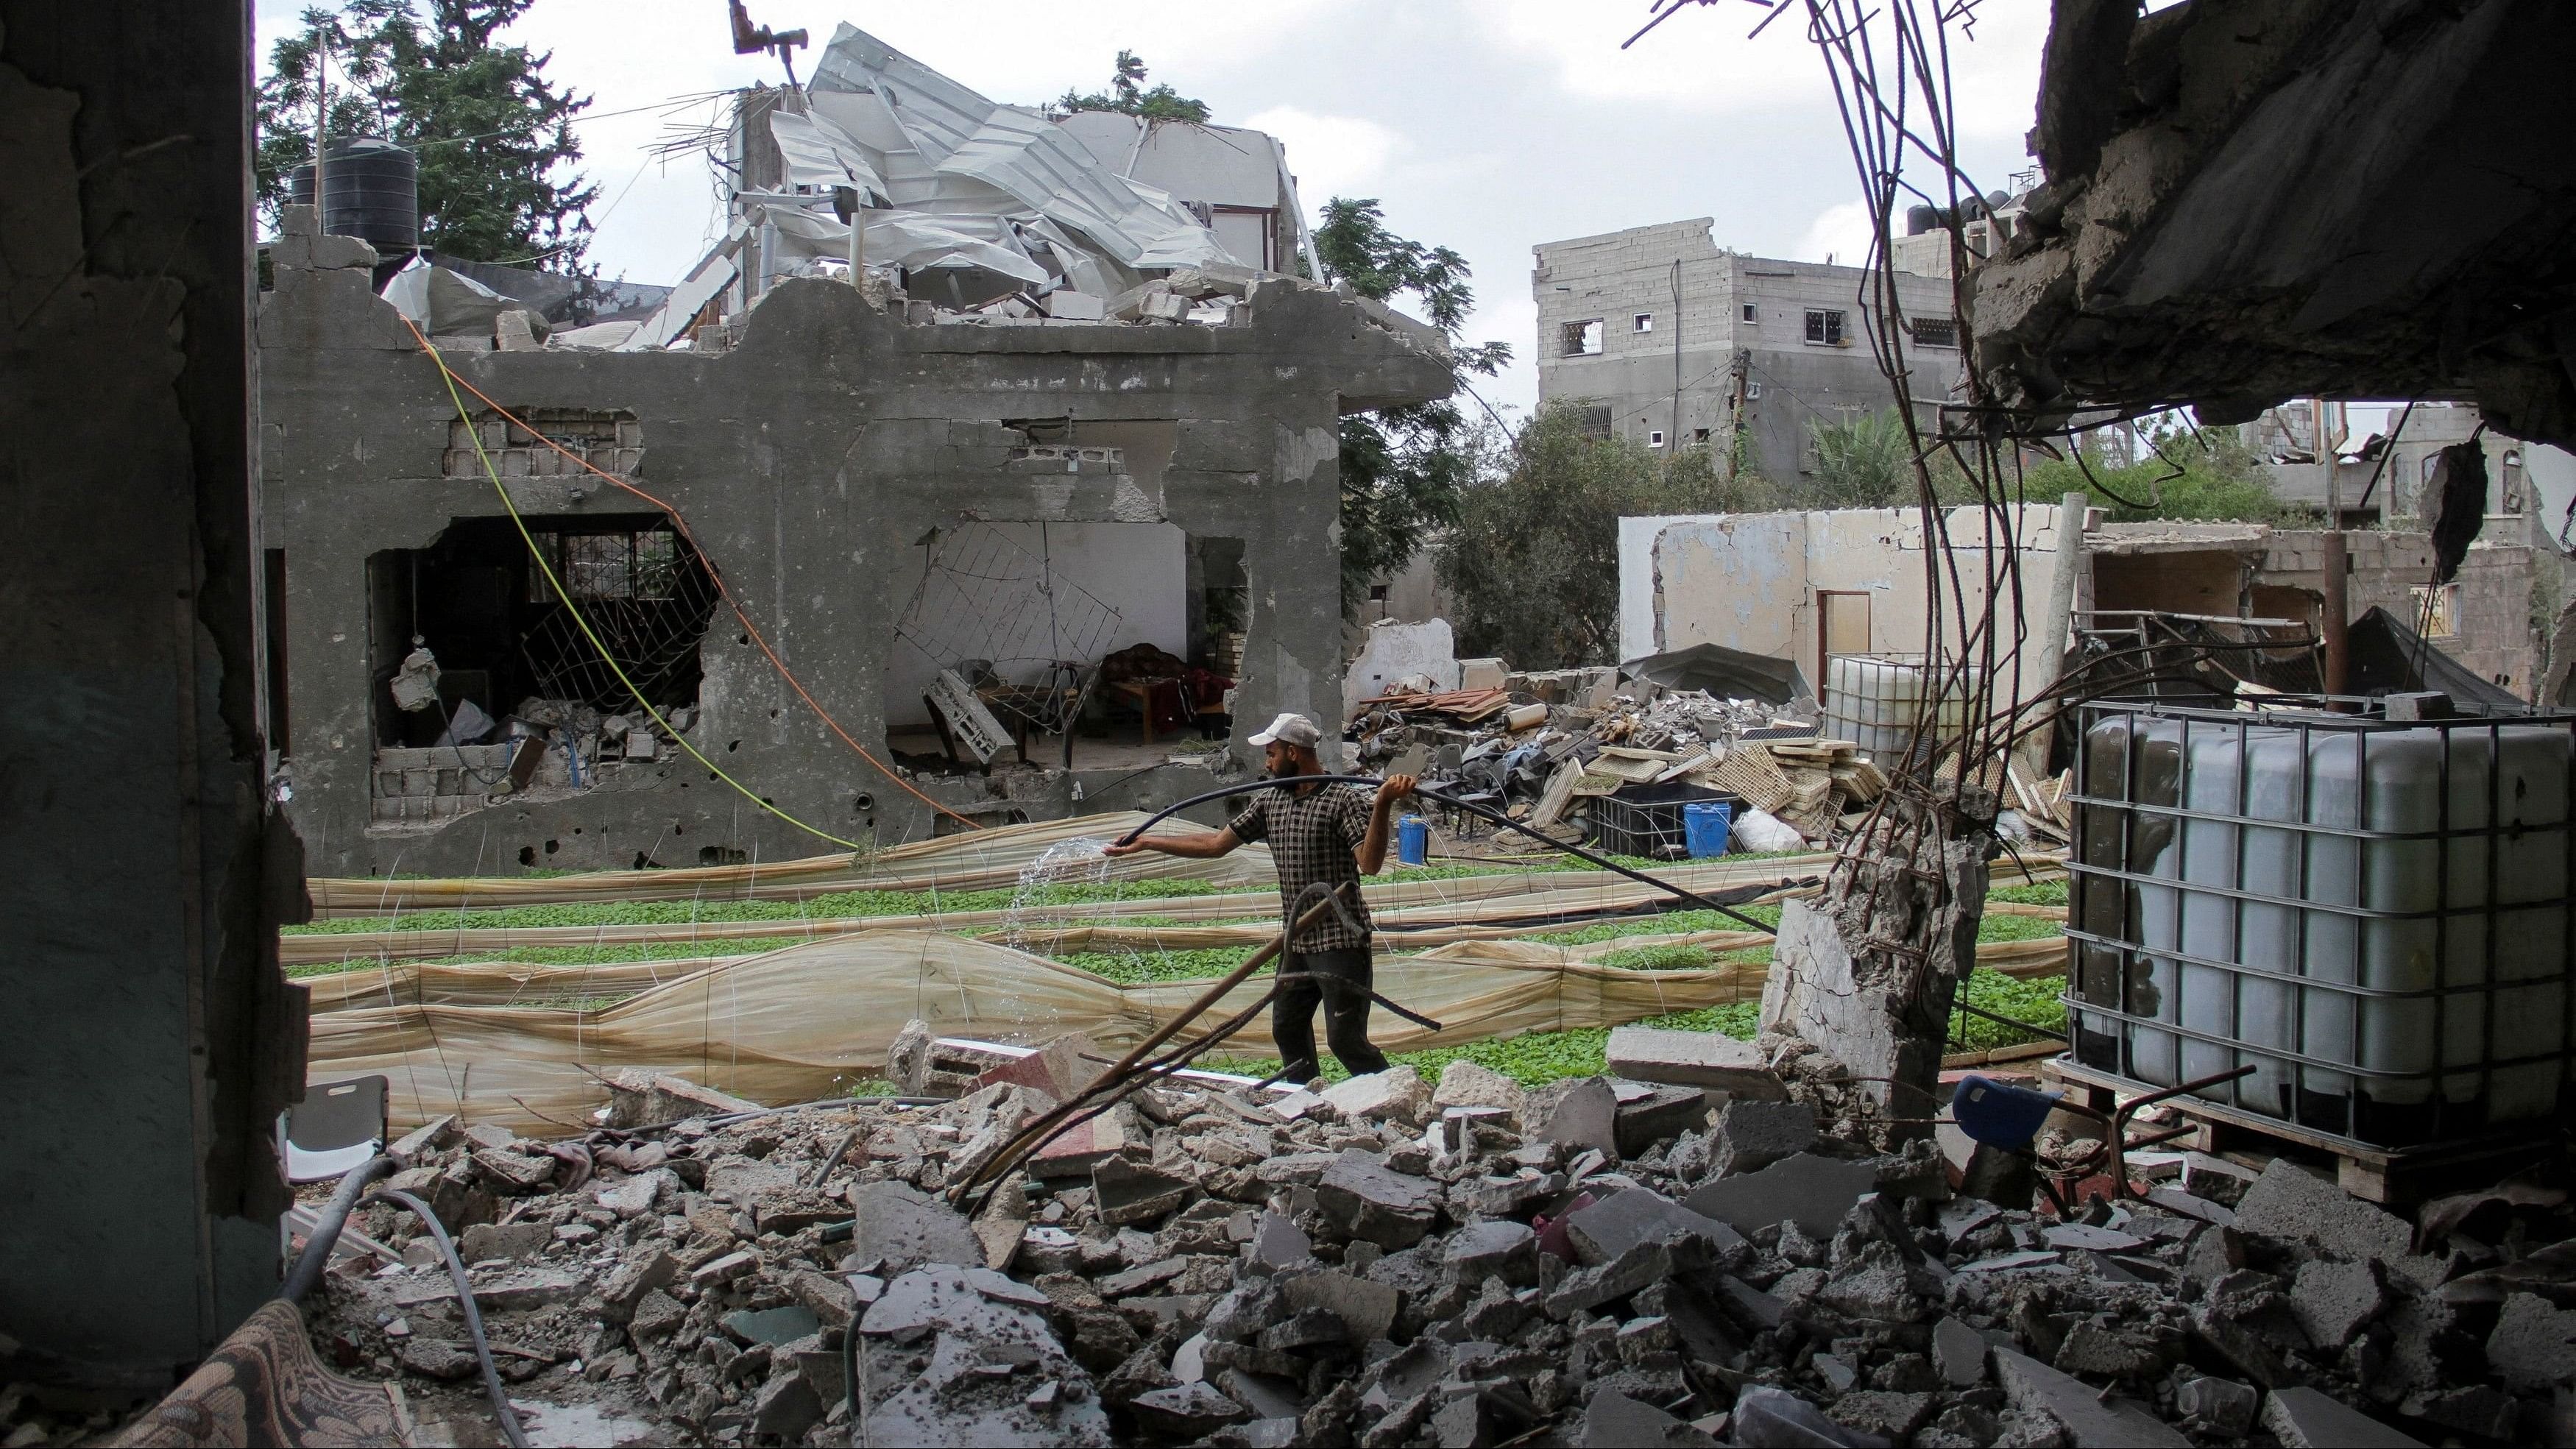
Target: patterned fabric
x=1313 y=837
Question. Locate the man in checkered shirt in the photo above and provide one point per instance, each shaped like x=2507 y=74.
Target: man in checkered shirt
x=1320 y=835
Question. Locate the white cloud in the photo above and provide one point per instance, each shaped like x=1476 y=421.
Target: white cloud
x=1329 y=155
x=1840 y=231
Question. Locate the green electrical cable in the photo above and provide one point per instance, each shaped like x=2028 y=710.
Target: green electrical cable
x=476 y=435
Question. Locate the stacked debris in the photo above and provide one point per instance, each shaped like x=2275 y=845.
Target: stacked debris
x=1543 y=745
x=1392 y=1261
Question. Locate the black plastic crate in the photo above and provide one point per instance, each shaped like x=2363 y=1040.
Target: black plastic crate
x=1646 y=820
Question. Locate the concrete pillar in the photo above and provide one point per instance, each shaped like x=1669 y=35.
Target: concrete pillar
x=148 y=1040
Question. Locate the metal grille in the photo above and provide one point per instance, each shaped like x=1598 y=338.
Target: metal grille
x=1000 y=614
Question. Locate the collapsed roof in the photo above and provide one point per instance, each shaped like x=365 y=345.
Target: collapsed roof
x=2251 y=200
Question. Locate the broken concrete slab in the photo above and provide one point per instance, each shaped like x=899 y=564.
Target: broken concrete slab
x=2289 y=1202
x=1367 y=1308
x=1578 y=1113
x=1650 y=1114
x=1813 y=1192
x=2076 y=1409
x=1613 y=1420
x=1959 y=1353
x=2333 y=1300
x=1692 y=1059
x=1506 y=1251
x=1466 y=1084
x=904 y=1228
x=1127 y=1193
x=1372 y=1096
x=490 y=1242
x=1769 y=1418
x=2533 y=1344
x=1373 y=1202
x=1614 y=1224
x=2302 y=1418
x=1752 y=1133
x=641 y=1098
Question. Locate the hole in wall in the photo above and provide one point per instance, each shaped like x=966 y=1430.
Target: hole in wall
x=722 y=855
x=527 y=855
x=553 y=845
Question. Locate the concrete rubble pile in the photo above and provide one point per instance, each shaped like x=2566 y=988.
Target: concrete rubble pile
x=1541 y=745
x=1390 y=1261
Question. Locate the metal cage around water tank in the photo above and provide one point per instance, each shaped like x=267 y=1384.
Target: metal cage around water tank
x=2373 y=914
x=370 y=190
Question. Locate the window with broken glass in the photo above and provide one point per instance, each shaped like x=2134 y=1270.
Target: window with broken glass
x=637 y=564
x=1936 y=331
x=1825 y=327
x=1580 y=339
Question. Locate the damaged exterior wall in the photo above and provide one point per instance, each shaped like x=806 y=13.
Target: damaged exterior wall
x=2251 y=571
x=809 y=461
x=1761 y=375
x=1757 y=581
x=149 y=1041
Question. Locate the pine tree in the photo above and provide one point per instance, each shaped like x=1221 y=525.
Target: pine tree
x=490 y=128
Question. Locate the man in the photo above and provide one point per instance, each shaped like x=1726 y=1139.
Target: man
x=1327 y=834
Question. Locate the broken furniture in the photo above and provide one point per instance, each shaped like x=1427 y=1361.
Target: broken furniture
x=337 y=1126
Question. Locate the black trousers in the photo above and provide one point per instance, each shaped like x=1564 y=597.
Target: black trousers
x=1340 y=981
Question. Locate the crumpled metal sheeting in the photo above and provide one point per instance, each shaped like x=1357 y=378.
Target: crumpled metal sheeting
x=1018 y=152
x=909 y=239
x=819 y=153
x=444 y=302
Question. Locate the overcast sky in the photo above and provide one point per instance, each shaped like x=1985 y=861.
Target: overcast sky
x=1488 y=127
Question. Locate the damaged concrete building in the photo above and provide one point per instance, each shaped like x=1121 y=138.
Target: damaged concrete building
x=1804 y=586
x=1636 y=324
x=971 y=462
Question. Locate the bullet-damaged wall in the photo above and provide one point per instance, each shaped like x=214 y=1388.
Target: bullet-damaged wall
x=808 y=461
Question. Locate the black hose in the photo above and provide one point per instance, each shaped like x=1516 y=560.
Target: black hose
x=1496 y=816
x=325 y=1233
x=465 y=1300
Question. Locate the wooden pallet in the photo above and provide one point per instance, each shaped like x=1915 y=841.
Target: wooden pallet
x=2391 y=1176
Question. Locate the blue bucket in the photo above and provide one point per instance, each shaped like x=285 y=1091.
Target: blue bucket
x=1412 y=840
x=1705 y=826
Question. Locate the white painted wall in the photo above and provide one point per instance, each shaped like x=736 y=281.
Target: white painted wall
x=1137 y=569
x=1394 y=650
x=1749 y=581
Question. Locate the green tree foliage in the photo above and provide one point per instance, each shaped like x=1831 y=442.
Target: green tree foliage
x=1862 y=461
x=1128 y=97
x=1533 y=559
x=1405 y=470
x=491 y=130
x=2187 y=474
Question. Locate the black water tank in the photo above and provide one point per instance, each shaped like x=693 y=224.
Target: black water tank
x=1920 y=219
x=371 y=190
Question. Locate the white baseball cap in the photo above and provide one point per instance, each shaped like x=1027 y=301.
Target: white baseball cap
x=1293 y=729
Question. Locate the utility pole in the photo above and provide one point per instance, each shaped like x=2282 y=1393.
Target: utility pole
x=321 y=117
x=1677 y=357
x=2338 y=606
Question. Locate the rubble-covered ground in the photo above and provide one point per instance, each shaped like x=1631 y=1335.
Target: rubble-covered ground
x=1396 y=1262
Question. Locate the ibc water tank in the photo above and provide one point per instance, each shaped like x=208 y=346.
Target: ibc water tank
x=2374 y=917
x=371 y=190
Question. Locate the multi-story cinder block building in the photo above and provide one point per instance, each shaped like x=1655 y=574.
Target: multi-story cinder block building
x=1673 y=340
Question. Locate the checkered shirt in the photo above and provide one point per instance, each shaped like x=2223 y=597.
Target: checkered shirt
x=1313 y=838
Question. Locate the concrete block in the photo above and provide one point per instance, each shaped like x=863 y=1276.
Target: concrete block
x=1648 y=1115
x=2533 y=1345
x=2333 y=1300
x=1624 y=1219
x=1075 y=306
x=1691 y=1058
x=1465 y=1084
x=1752 y=1134
x=1577 y=1113
x=2286 y=1202
x=1395 y=1092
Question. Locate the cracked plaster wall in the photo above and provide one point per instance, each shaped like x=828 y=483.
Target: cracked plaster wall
x=149 y=1040
x=807 y=460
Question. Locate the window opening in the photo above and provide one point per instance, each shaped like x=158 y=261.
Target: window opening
x=1643 y=322
x=1752 y=313
x=1654 y=437
x=1596 y=421
x=1579 y=339
x=1825 y=327
x=1936 y=331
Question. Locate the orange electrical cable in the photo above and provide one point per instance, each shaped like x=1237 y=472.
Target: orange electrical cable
x=723 y=590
